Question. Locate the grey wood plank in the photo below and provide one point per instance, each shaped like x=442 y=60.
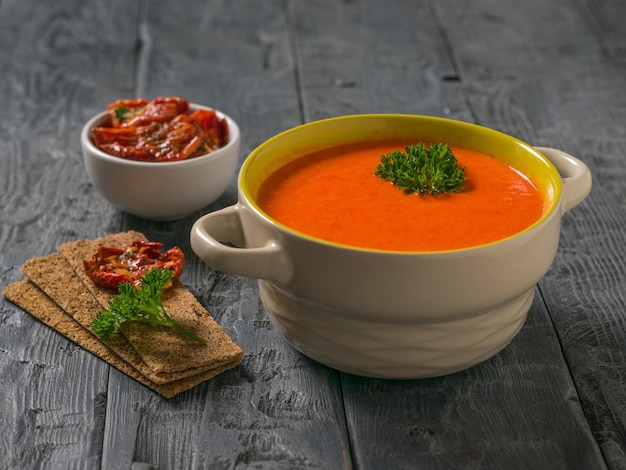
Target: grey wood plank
x=45 y=423
x=53 y=393
x=366 y=57
x=481 y=44
x=606 y=22
x=558 y=77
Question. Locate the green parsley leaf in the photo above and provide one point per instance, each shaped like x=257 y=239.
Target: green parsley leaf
x=144 y=305
x=424 y=170
x=120 y=113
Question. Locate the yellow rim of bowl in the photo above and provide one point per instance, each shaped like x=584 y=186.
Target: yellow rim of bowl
x=306 y=138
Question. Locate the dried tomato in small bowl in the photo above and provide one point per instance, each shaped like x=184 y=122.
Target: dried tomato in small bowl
x=161 y=159
x=161 y=130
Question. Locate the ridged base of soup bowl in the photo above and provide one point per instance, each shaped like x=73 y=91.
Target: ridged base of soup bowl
x=393 y=350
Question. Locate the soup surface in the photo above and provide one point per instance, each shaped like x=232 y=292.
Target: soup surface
x=334 y=195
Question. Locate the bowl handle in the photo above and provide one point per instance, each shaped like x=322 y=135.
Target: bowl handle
x=575 y=176
x=267 y=262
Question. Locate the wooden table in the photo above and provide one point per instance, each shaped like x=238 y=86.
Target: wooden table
x=551 y=73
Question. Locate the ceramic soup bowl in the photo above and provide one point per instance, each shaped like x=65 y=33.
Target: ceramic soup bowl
x=390 y=314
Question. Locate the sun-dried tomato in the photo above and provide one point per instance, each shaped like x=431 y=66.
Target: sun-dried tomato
x=161 y=130
x=139 y=111
x=110 y=266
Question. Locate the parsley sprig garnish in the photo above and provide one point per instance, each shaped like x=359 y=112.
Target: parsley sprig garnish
x=144 y=305
x=424 y=170
x=121 y=112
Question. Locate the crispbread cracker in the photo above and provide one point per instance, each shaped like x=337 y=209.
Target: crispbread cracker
x=161 y=350
x=29 y=297
x=58 y=292
x=175 y=352
x=56 y=278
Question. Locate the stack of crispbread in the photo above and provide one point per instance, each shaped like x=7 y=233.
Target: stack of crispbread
x=57 y=291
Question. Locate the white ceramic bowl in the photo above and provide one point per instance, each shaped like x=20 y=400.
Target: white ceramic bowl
x=383 y=313
x=163 y=190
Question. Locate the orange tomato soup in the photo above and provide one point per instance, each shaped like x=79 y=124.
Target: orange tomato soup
x=334 y=195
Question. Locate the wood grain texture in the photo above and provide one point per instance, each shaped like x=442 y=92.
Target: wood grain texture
x=559 y=81
x=551 y=73
x=362 y=57
x=53 y=393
